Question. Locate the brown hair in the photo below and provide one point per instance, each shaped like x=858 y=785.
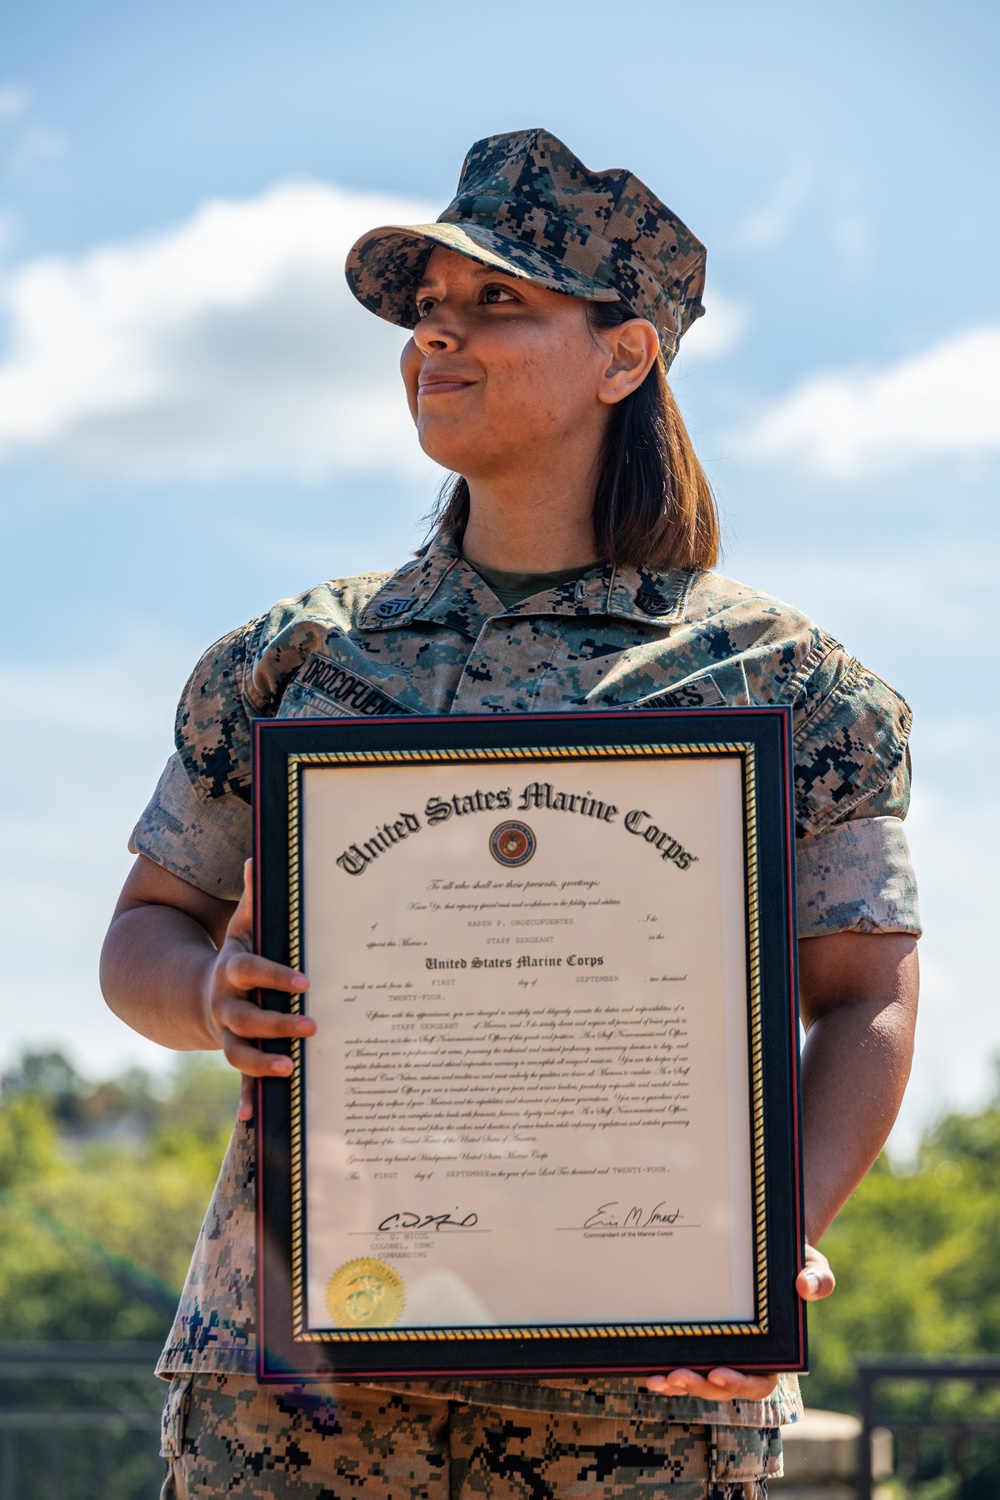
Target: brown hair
x=653 y=504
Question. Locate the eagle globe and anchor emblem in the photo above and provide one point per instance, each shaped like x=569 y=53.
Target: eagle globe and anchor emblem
x=512 y=843
x=366 y=1294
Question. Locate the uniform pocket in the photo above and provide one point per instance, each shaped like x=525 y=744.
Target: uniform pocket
x=745 y=1453
x=175 y=1412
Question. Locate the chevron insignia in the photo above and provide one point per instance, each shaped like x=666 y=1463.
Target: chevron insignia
x=389 y=609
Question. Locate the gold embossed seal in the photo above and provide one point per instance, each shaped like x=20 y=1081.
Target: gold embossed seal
x=365 y=1294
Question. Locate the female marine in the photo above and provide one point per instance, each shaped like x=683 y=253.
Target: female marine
x=571 y=566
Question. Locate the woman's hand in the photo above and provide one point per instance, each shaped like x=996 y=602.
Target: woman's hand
x=814 y=1282
x=178 y=966
x=233 y=1019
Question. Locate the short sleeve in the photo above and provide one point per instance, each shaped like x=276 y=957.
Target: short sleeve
x=849 y=744
x=197 y=824
x=856 y=877
x=212 y=731
x=203 y=840
x=852 y=792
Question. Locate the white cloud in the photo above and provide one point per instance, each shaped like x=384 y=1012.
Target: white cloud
x=228 y=344
x=14 y=100
x=944 y=402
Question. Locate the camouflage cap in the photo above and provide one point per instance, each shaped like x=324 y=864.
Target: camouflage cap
x=528 y=206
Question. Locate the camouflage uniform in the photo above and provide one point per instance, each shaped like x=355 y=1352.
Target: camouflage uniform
x=433 y=638
x=349 y=1440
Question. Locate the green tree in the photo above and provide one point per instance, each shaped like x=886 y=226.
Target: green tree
x=104 y=1188
x=28 y=1142
x=915 y=1256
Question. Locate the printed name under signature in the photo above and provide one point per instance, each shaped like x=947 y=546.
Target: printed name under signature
x=409 y=1220
x=609 y=1216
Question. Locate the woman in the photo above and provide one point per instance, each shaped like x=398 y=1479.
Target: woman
x=570 y=567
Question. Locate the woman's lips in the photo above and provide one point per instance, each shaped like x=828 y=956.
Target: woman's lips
x=441 y=387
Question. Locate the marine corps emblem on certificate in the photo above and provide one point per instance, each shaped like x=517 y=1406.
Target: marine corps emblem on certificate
x=365 y=1294
x=548 y=1122
x=512 y=843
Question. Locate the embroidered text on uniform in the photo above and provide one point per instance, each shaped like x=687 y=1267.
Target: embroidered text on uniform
x=345 y=688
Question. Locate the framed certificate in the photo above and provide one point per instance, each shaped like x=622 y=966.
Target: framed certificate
x=548 y=1122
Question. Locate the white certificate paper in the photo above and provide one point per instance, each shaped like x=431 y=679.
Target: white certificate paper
x=528 y=1097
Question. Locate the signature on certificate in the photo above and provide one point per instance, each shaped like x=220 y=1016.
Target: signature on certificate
x=613 y=1216
x=409 y=1220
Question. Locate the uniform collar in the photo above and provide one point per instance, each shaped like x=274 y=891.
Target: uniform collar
x=439 y=587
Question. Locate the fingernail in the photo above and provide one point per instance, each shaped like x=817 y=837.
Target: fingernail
x=282 y=1065
x=304 y=1027
x=812 y=1281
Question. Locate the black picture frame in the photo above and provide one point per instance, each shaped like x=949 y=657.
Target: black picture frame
x=776 y=1337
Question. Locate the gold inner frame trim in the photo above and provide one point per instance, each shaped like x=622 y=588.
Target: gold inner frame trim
x=300 y=1331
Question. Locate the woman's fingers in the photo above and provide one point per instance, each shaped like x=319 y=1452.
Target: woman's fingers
x=815 y=1281
x=718 y=1385
x=248 y=971
x=244 y=1019
x=248 y=1099
x=250 y=1060
x=238 y=966
x=241 y=922
x=236 y=1021
x=732 y=1383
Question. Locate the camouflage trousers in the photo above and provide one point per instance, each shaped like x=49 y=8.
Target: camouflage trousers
x=227 y=1435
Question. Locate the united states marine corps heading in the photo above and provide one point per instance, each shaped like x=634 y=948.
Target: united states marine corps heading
x=571 y=568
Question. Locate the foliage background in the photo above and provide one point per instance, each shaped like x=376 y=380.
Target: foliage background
x=104 y=1187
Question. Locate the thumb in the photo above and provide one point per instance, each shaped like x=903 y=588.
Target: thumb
x=248 y=1097
x=816 y=1280
x=241 y=921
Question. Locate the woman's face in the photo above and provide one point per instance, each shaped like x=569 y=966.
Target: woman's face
x=499 y=369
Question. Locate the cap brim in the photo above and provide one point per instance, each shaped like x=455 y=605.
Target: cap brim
x=385 y=266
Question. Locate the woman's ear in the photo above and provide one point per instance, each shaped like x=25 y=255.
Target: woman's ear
x=633 y=348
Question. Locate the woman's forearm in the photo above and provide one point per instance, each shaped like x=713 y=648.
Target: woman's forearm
x=859 y=1003
x=179 y=967
x=154 y=967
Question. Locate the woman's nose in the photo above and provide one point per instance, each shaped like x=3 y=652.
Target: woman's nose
x=437 y=333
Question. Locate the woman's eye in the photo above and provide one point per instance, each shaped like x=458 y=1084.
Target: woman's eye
x=494 y=294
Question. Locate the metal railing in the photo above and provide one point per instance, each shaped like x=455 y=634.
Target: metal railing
x=943 y=1426
x=79 y=1421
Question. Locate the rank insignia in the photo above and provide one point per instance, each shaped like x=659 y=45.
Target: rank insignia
x=390 y=609
x=652 y=604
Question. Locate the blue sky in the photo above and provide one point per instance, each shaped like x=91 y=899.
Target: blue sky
x=195 y=420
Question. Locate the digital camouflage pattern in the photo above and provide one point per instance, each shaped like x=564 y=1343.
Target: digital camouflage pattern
x=214 y=1332
x=433 y=638
x=227 y=1433
x=528 y=206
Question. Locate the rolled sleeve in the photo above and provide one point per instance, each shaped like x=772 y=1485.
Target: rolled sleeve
x=849 y=744
x=203 y=840
x=856 y=877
